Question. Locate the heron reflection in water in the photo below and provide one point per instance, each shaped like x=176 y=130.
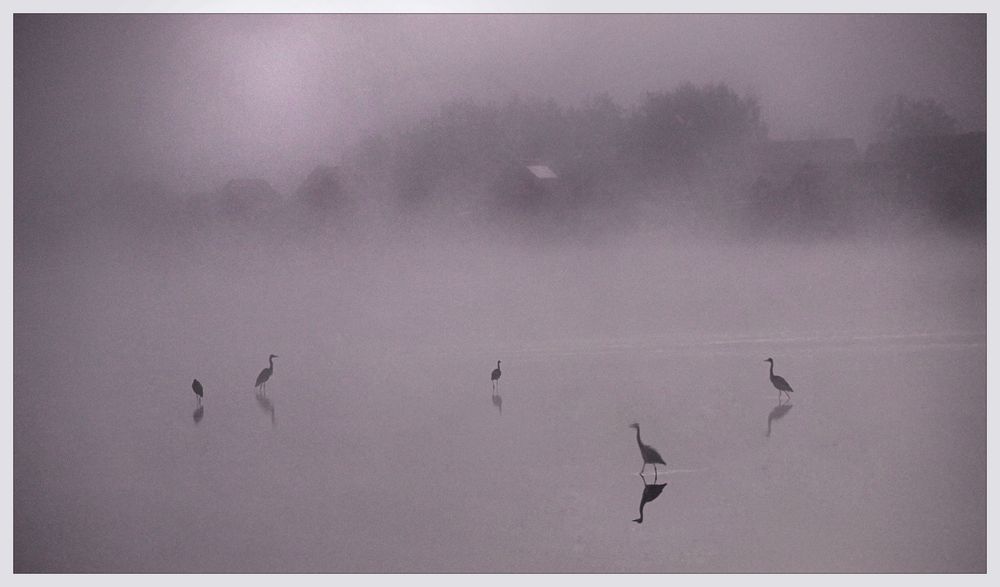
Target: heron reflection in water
x=199 y=413
x=777 y=413
x=650 y=491
x=266 y=405
x=498 y=402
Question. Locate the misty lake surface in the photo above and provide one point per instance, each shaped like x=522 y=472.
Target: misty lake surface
x=380 y=448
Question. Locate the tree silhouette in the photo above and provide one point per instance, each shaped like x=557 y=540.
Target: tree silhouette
x=678 y=129
x=902 y=117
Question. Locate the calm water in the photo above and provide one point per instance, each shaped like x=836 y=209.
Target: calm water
x=380 y=449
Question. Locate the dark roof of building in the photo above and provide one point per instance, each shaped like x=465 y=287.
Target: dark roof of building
x=965 y=145
x=816 y=151
x=248 y=188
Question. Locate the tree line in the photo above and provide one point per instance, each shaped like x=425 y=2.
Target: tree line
x=694 y=155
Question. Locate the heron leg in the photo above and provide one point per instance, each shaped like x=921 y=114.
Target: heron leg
x=654 y=472
x=643 y=470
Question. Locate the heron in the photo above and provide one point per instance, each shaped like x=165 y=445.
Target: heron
x=649 y=454
x=265 y=374
x=495 y=377
x=778 y=381
x=198 y=390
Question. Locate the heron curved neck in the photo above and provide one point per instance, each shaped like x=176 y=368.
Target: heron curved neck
x=772 y=368
x=270 y=363
x=637 y=439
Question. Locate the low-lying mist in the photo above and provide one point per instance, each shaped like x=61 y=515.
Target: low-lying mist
x=430 y=284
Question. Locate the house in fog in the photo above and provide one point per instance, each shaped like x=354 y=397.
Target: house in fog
x=803 y=183
x=244 y=198
x=786 y=158
x=945 y=172
x=965 y=152
x=529 y=185
x=803 y=165
x=323 y=194
x=782 y=163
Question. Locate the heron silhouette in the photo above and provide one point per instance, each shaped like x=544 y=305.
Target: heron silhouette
x=495 y=377
x=649 y=454
x=650 y=491
x=198 y=390
x=265 y=374
x=779 y=382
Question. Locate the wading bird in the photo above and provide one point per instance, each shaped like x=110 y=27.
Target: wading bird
x=265 y=374
x=779 y=382
x=649 y=454
x=495 y=377
x=198 y=390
